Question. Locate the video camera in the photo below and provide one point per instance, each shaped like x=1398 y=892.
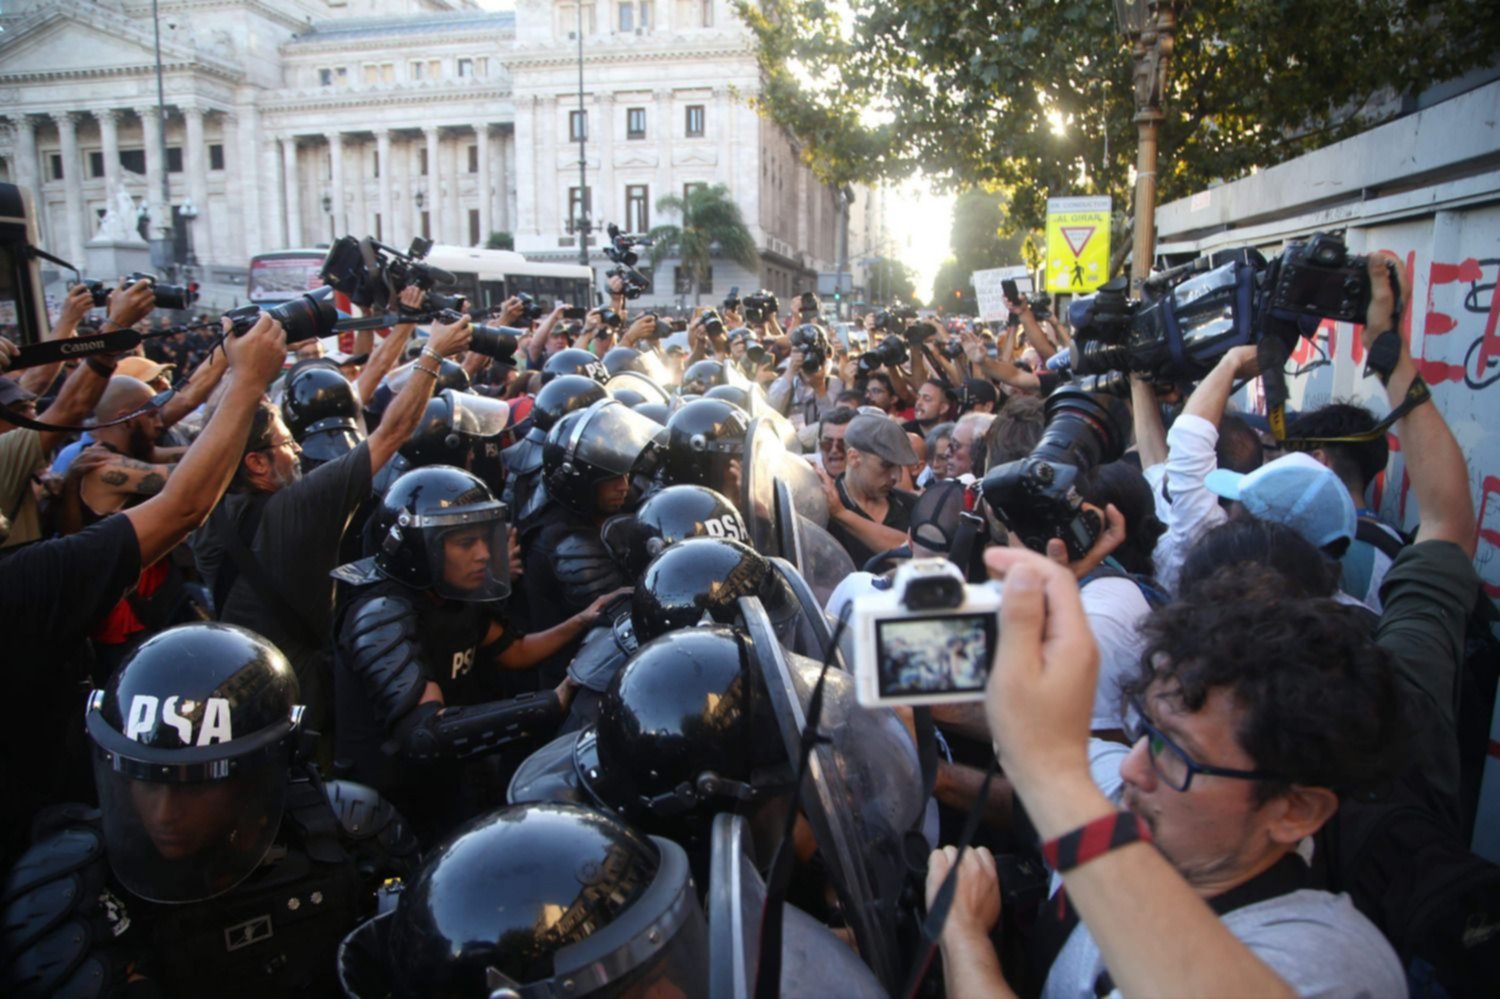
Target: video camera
x=1036 y=497
x=929 y=639
x=373 y=275
x=1191 y=315
x=621 y=250
x=168 y=296
x=760 y=307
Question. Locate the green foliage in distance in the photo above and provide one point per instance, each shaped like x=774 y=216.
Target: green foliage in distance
x=890 y=281
x=1036 y=95
x=500 y=241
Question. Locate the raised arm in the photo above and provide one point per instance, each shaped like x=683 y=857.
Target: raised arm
x=1434 y=461
x=388 y=354
x=1150 y=434
x=200 y=385
x=402 y=415
x=36 y=380
x=204 y=473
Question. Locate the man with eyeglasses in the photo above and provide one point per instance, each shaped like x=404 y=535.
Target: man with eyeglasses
x=833 y=452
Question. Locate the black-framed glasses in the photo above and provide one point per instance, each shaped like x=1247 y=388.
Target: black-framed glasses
x=1172 y=763
x=832 y=444
x=288 y=443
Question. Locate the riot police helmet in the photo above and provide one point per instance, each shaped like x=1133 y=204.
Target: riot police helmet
x=700 y=376
x=684 y=728
x=735 y=395
x=559 y=397
x=700 y=580
x=586 y=906
x=705 y=440
x=590 y=447
x=574 y=361
x=191 y=739
x=461 y=429
x=664 y=518
x=656 y=412
x=618 y=359
x=322 y=413
x=441 y=529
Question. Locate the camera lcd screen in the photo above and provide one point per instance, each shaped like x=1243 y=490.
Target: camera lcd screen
x=934 y=655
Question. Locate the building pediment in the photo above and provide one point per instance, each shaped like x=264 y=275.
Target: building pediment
x=60 y=43
x=695 y=156
x=635 y=157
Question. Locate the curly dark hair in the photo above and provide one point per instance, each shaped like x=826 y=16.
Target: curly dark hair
x=1123 y=485
x=1321 y=701
x=1356 y=464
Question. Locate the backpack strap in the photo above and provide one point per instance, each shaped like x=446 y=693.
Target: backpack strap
x=1374 y=534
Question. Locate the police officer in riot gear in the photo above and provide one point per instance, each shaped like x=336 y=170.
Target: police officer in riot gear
x=524 y=492
x=322 y=413
x=590 y=907
x=462 y=429
x=700 y=376
x=666 y=517
x=451 y=375
x=705 y=445
x=420 y=643
x=217 y=863
x=656 y=412
x=592 y=463
x=618 y=359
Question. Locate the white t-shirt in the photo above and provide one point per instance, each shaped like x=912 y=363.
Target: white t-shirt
x=1318 y=942
x=1115 y=609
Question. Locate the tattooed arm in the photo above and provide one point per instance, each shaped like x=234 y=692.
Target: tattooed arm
x=121 y=483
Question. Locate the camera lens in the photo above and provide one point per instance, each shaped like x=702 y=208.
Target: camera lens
x=312 y=315
x=495 y=342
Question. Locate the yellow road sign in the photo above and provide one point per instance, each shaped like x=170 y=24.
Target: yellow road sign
x=1077 y=244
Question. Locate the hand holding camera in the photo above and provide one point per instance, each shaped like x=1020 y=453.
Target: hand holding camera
x=450 y=335
x=129 y=305
x=258 y=354
x=644 y=328
x=75 y=306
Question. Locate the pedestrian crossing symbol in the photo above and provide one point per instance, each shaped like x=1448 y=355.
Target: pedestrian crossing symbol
x=1077 y=244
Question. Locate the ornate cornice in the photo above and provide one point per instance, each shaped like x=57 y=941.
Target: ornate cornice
x=282 y=102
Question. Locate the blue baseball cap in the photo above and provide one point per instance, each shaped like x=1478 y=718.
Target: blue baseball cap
x=1294 y=490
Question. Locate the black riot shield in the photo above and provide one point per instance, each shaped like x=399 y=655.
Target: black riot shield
x=814 y=962
x=763 y=461
x=862 y=796
x=802 y=540
x=810 y=635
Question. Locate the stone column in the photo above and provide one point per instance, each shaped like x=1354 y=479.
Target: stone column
x=527 y=214
x=434 y=206
x=553 y=215
x=486 y=195
x=606 y=208
x=664 y=126
x=294 y=237
x=457 y=165
x=26 y=170
x=383 y=153
x=243 y=153
x=411 y=184
x=194 y=152
x=504 y=179
x=722 y=123
x=273 y=214
x=336 y=168
x=161 y=215
x=109 y=137
x=67 y=134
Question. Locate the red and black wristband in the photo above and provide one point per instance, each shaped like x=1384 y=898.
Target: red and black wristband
x=1109 y=832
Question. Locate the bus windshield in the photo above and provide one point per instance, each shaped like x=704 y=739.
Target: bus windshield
x=282 y=276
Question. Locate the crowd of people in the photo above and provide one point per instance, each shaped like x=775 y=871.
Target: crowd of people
x=407 y=670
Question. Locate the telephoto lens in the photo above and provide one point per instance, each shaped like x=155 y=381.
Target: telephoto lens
x=498 y=343
x=307 y=317
x=168 y=296
x=891 y=352
x=436 y=301
x=609 y=317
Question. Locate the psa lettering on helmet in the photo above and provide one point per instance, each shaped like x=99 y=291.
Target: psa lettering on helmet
x=213 y=727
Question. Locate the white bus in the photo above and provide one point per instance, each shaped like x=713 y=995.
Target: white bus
x=485 y=277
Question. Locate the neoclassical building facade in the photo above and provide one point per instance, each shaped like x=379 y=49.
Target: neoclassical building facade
x=288 y=122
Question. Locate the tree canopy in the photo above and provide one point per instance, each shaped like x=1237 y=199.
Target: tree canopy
x=1036 y=95
x=711 y=226
x=890 y=281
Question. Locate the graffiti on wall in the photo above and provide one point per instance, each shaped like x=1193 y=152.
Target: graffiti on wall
x=1452 y=325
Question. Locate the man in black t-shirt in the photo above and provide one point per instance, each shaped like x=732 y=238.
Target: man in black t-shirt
x=867 y=513
x=268 y=549
x=934 y=400
x=53 y=593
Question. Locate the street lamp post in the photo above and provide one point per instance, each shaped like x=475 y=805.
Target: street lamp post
x=1150 y=25
x=584 y=226
x=165 y=254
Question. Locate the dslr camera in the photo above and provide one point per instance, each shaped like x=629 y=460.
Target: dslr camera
x=760 y=307
x=894 y=319
x=168 y=296
x=890 y=353
x=531 y=309
x=305 y=317
x=1036 y=497
x=621 y=249
x=373 y=275
x=929 y=639
x=713 y=323
x=813 y=342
